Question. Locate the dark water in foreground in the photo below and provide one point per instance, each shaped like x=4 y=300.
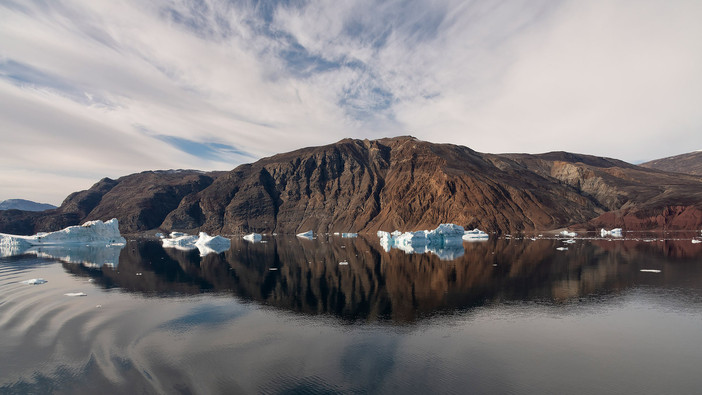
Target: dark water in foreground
x=508 y=316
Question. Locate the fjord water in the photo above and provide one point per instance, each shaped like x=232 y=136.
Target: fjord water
x=510 y=316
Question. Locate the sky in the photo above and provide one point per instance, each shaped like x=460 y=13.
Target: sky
x=92 y=89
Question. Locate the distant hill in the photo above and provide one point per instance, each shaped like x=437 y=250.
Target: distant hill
x=386 y=184
x=690 y=163
x=24 y=205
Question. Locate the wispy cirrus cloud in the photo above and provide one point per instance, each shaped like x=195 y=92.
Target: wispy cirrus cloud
x=100 y=88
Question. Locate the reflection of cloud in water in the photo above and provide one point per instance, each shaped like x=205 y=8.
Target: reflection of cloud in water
x=202 y=315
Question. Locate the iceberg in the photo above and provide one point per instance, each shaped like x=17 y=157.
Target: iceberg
x=445 y=241
x=475 y=235
x=253 y=237
x=90 y=233
x=205 y=243
x=616 y=232
x=35 y=281
x=306 y=235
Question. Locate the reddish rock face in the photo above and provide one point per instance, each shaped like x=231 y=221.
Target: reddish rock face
x=395 y=183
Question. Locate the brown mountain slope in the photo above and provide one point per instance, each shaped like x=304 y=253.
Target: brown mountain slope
x=634 y=197
x=139 y=201
x=363 y=186
x=690 y=163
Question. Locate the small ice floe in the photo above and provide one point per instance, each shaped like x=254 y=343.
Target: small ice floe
x=76 y=294
x=616 y=232
x=349 y=235
x=306 y=235
x=35 y=281
x=343 y=263
x=562 y=248
x=650 y=270
x=205 y=243
x=695 y=241
x=568 y=234
x=445 y=241
x=474 y=235
x=253 y=237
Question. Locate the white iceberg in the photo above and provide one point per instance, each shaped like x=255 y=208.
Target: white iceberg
x=475 y=235
x=35 y=281
x=349 y=235
x=306 y=235
x=253 y=237
x=616 y=232
x=90 y=233
x=205 y=243
x=445 y=241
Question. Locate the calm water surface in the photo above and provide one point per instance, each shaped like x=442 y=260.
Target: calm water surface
x=514 y=316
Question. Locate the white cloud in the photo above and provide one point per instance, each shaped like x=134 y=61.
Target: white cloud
x=91 y=87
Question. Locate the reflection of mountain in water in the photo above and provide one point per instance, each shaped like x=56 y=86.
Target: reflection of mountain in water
x=393 y=285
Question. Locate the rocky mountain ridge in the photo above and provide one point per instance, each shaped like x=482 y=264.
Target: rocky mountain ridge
x=386 y=184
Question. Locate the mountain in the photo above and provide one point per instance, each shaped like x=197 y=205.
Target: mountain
x=386 y=184
x=139 y=201
x=690 y=163
x=25 y=205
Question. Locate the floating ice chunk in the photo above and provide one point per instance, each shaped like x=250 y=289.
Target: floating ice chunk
x=650 y=270
x=475 y=235
x=445 y=241
x=349 y=235
x=562 y=248
x=205 y=243
x=76 y=294
x=568 y=234
x=35 y=281
x=616 y=232
x=253 y=237
x=307 y=235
